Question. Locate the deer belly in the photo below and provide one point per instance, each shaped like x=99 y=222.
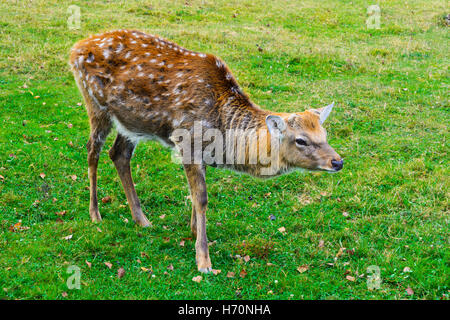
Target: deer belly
x=135 y=136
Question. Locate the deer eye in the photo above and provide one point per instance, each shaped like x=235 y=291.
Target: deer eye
x=300 y=142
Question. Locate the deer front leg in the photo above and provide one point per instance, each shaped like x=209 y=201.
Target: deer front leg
x=121 y=154
x=196 y=177
x=100 y=128
x=194 y=222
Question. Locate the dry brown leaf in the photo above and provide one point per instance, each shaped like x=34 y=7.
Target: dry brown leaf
x=170 y=267
x=216 y=271
x=247 y=258
x=120 y=273
x=243 y=273
x=106 y=199
x=162 y=216
x=42 y=175
x=409 y=291
x=182 y=243
x=73 y=177
x=406 y=269
x=64 y=294
x=282 y=230
x=88 y=263
x=321 y=243
x=350 y=278
x=303 y=268
x=230 y=274
x=197 y=279
x=61 y=213
x=108 y=264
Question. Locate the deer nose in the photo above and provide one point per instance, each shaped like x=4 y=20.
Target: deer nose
x=337 y=164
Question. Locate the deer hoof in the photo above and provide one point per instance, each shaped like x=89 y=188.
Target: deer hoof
x=205 y=270
x=95 y=216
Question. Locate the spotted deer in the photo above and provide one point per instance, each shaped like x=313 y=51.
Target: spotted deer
x=148 y=88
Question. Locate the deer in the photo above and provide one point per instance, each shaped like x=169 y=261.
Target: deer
x=150 y=88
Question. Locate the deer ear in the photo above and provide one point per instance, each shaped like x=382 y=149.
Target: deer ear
x=323 y=112
x=275 y=124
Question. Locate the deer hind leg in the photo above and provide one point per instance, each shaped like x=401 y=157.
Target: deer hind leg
x=100 y=128
x=121 y=154
x=197 y=184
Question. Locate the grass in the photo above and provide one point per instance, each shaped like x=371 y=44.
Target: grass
x=390 y=124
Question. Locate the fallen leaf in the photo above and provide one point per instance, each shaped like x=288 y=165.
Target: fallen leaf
x=120 y=273
x=15 y=227
x=340 y=252
x=144 y=255
x=170 y=267
x=216 y=271
x=106 y=199
x=182 y=243
x=345 y=214
x=230 y=274
x=68 y=237
x=42 y=175
x=69 y=125
x=61 y=213
x=282 y=230
x=247 y=258
x=73 y=177
x=162 y=216
x=409 y=291
x=321 y=243
x=108 y=264
x=99 y=230
x=243 y=273
x=64 y=294
x=212 y=243
x=197 y=279
x=146 y=269
x=406 y=269
x=303 y=268
x=350 y=278
x=88 y=263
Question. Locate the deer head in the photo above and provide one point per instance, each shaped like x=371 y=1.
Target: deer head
x=303 y=140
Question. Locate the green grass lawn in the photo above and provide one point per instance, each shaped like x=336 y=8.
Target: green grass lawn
x=387 y=208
